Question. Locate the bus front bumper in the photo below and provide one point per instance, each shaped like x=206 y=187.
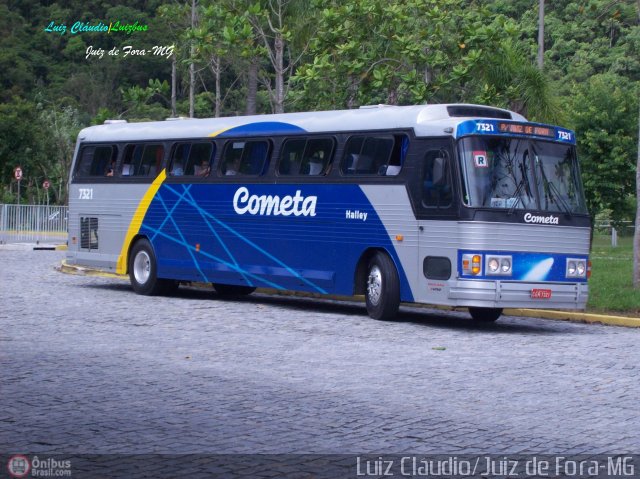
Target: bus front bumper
x=512 y=294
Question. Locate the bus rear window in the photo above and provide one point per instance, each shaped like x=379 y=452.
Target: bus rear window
x=96 y=161
x=245 y=158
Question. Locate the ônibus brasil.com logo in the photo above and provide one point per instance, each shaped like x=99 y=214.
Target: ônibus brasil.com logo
x=20 y=466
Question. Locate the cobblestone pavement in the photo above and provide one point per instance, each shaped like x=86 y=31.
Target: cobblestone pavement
x=88 y=367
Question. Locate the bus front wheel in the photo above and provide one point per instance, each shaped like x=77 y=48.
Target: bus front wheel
x=143 y=269
x=382 y=290
x=485 y=315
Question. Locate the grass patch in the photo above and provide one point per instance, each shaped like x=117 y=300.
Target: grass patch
x=611 y=283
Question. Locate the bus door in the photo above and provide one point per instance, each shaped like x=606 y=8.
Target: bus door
x=436 y=198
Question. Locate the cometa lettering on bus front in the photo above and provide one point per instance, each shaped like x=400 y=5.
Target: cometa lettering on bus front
x=267 y=205
x=545 y=220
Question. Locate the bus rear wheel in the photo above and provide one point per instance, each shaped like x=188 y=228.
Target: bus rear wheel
x=382 y=290
x=143 y=269
x=485 y=315
x=233 y=290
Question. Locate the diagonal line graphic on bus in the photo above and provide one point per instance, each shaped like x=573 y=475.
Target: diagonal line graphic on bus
x=182 y=240
x=215 y=258
x=169 y=213
x=246 y=240
x=213 y=230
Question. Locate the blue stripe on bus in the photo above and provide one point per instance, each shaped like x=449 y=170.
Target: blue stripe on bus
x=262 y=128
x=198 y=236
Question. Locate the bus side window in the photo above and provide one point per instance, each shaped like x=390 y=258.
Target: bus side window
x=248 y=158
x=291 y=157
x=96 y=161
x=317 y=156
x=132 y=155
x=151 y=160
x=436 y=181
x=367 y=155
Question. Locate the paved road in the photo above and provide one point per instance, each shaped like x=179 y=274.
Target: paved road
x=87 y=366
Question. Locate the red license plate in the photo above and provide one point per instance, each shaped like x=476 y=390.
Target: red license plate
x=540 y=293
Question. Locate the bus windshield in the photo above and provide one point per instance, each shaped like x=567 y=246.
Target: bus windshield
x=520 y=173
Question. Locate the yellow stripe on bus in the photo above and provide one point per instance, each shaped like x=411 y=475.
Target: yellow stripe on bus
x=136 y=221
x=216 y=133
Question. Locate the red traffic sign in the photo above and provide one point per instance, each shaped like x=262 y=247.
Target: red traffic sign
x=17 y=173
x=46 y=184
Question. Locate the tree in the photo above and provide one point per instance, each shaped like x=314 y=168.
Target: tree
x=636 y=234
x=418 y=51
x=603 y=113
x=276 y=25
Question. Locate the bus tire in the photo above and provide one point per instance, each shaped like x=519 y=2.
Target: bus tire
x=485 y=315
x=143 y=269
x=233 y=290
x=382 y=288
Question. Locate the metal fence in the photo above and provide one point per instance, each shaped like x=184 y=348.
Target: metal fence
x=33 y=223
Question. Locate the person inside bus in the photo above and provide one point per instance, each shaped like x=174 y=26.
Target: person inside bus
x=177 y=169
x=202 y=169
x=111 y=169
x=315 y=164
x=233 y=167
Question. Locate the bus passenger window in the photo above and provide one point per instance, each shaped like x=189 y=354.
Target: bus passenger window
x=151 y=160
x=310 y=157
x=436 y=181
x=247 y=158
x=142 y=160
x=97 y=161
x=291 y=157
x=179 y=159
x=191 y=159
x=367 y=155
x=317 y=156
x=200 y=159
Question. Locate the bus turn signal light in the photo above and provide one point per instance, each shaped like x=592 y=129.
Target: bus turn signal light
x=476 y=264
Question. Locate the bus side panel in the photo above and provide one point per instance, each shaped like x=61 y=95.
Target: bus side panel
x=99 y=217
x=306 y=237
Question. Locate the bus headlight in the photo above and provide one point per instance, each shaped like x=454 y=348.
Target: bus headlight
x=505 y=265
x=498 y=265
x=493 y=265
x=576 y=268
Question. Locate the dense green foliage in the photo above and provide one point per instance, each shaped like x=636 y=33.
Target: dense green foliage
x=285 y=55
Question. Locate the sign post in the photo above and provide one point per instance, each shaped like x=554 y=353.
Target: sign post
x=17 y=173
x=46 y=184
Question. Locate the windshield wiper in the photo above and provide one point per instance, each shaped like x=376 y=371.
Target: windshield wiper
x=523 y=181
x=557 y=198
x=517 y=196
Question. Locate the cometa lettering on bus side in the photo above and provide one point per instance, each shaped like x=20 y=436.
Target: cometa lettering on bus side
x=545 y=220
x=267 y=205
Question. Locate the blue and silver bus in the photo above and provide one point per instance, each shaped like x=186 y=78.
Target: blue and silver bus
x=449 y=204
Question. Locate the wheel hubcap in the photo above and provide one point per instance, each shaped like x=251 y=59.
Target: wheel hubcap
x=374 y=285
x=142 y=267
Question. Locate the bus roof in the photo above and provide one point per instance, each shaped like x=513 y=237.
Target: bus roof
x=425 y=120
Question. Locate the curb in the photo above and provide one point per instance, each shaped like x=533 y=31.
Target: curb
x=574 y=316
x=32 y=247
